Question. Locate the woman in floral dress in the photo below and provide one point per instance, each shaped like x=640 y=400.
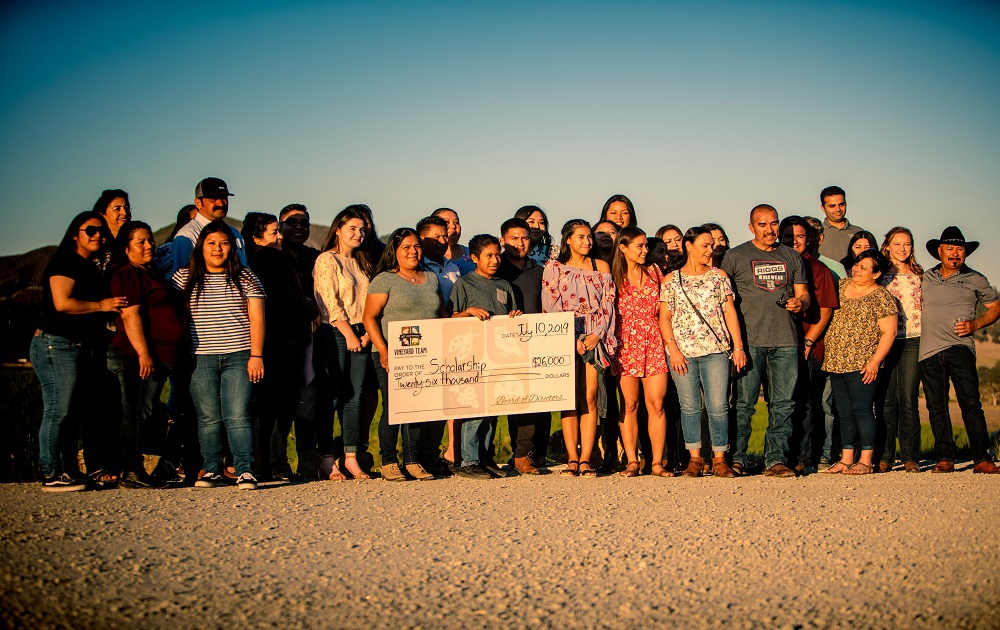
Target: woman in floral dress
x=575 y=282
x=701 y=333
x=640 y=357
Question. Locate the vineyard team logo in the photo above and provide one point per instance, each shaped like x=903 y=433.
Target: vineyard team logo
x=410 y=336
x=770 y=275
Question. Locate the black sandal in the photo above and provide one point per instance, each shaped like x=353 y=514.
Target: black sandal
x=570 y=471
x=589 y=472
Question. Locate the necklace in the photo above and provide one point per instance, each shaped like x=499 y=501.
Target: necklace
x=400 y=274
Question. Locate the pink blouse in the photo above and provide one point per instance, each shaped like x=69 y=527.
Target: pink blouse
x=590 y=295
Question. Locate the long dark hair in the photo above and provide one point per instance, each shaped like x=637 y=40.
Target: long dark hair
x=388 y=261
x=361 y=254
x=183 y=218
x=68 y=243
x=848 y=260
x=526 y=211
x=632 y=219
x=619 y=264
x=567 y=231
x=197 y=269
x=118 y=254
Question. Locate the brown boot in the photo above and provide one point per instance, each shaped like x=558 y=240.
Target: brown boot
x=721 y=469
x=694 y=467
x=524 y=466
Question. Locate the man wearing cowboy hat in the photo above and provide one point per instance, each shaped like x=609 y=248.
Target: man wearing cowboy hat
x=951 y=292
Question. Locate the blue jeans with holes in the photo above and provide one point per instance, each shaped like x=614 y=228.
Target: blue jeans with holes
x=56 y=362
x=708 y=374
x=221 y=391
x=477 y=436
x=856 y=406
x=782 y=369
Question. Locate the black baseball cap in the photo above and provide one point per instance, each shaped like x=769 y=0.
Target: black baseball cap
x=212 y=188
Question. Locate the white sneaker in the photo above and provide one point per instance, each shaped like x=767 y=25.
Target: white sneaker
x=246 y=481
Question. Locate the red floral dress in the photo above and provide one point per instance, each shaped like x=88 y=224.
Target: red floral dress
x=640 y=345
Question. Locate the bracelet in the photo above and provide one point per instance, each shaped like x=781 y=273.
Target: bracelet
x=256 y=356
x=667 y=342
x=738 y=350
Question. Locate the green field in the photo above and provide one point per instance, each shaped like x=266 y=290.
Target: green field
x=21 y=410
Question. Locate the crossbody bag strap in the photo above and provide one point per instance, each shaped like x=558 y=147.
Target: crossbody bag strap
x=697 y=312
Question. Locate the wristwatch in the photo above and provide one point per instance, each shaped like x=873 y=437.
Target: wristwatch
x=809 y=343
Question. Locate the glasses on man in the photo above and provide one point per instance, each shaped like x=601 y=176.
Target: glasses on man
x=296 y=222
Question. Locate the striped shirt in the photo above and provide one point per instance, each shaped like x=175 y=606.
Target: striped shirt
x=220 y=322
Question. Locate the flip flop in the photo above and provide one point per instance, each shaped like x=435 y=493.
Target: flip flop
x=572 y=469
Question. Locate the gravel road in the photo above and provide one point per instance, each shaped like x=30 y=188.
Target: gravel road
x=892 y=551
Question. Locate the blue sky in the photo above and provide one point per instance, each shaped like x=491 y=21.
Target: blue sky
x=696 y=111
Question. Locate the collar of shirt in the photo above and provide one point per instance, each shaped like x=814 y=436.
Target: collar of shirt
x=438 y=268
x=827 y=224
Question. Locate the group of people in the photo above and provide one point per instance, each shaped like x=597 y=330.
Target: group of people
x=676 y=335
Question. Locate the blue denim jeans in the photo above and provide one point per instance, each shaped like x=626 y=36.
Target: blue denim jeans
x=138 y=397
x=56 y=361
x=829 y=413
x=959 y=364
x=897 y=394
x=781 y=365
x=221 y=391
x=709 y=375
x=477 y=437
x=388 y=434
x=856 y=406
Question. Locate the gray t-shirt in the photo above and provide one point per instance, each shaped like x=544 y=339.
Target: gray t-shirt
x=944 y=301
x=407 y=300
x=495 y=294
x=760 y=278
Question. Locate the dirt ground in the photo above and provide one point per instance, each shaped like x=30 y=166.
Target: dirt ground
x=890 y=551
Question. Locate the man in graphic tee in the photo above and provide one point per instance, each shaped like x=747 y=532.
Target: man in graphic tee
x=770 y=285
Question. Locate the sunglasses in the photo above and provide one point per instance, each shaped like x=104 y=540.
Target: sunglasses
x=91 y=230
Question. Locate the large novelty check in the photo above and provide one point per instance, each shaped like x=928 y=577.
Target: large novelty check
x=467 y=368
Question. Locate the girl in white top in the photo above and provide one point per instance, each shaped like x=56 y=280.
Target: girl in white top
x=341 y=276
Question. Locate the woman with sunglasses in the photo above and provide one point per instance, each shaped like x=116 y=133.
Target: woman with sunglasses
x=63 y=348
x=226 y=305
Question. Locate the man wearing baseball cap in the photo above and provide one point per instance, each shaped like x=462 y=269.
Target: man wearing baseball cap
x=211 y=198
x=951 y=292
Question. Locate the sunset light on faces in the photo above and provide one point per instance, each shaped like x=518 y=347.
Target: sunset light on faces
x=618 y=213
x=408 y=254
x=117 y=214
x=488 y=261
x=517 y=243
x=454 y=225
x=859 y=246
x=900 y=248
x=86 y=245
x=795 y=237
x=764 y=227
x=636 y=251
x=536 y=221
x=350 y=235
x=295 y=227
x=719 y=238
x=271 y=238
x=700 y=251
x=212 y=209
x=952 y=257
x=216 y=251
x=862 y=274
x=673 y=239
x=835 y=207
x=140 y=247
x=581 y=241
